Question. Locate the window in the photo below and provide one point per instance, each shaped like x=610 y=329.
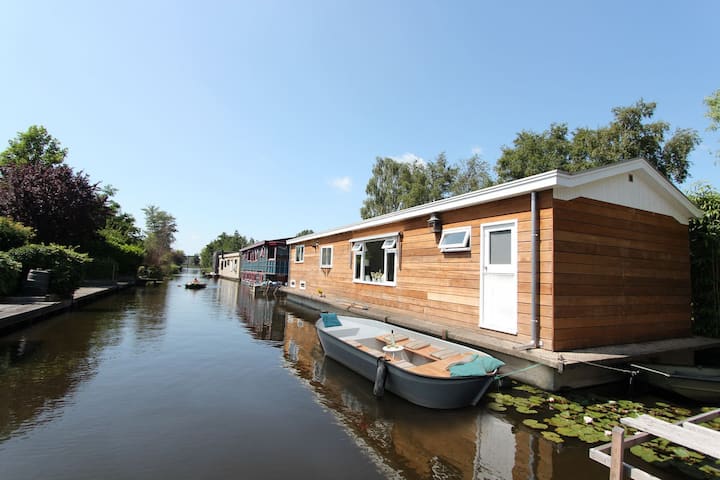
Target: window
x=300 y=254
x=292 y=283
x=326 y=254
x=302 y=284
x=375 y=260
x=455 y=240
x=271 y=252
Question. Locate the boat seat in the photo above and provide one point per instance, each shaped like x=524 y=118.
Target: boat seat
x=444 y=353
x=399 y=337
x=373 y=352
x=403 y=364
x=416 y=344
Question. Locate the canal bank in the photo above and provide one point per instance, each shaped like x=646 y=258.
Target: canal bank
x=548 y=370
x=19 y=311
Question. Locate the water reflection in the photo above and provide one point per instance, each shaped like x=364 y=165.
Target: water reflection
x=420 y=443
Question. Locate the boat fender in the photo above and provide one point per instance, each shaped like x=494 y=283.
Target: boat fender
x=380 y=377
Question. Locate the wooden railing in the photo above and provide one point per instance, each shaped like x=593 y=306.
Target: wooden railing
x=686 y=433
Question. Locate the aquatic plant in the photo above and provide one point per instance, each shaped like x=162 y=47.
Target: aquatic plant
x=558 y=418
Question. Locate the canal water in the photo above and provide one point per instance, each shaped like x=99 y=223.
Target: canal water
x=162 y=382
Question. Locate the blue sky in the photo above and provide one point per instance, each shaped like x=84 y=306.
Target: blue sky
x=266 y=117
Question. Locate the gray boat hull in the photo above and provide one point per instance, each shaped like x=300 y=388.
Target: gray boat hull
x=430 y=392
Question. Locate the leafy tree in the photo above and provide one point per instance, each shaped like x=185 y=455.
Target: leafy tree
x=306 y=231
x=60 y=205
x=627 y=137
x=13 y=234
x=395 y=185
x=385 y=188
x=34 y=146
x=472 y=174
x=713 y=113
x=705 y=261
x=224 y=243
x=10 y=271
x=160 y=229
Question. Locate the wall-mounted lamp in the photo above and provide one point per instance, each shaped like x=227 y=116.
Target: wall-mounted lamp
x=315 y=245
x=435 y=223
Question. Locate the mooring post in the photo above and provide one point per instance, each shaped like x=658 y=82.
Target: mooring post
x=617 y=452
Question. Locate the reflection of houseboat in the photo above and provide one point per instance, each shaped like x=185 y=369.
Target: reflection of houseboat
x=264 y=262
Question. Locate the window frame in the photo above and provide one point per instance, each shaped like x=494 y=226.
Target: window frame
x=390 y=246
x=464 y=246
x=299 y=253
x=330 y=264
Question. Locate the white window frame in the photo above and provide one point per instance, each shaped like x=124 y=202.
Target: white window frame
x=302 y=284
x=389 y=246
x=463 y=246
x=292 y=283
x=299 y=253
x=330 y=264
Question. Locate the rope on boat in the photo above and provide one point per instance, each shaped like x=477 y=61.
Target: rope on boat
x=632 y=373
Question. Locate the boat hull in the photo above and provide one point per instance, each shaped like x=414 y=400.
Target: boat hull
x=699 y=384
x=426 y=391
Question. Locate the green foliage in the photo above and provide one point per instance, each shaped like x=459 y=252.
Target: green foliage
x=224 y=243
x=65 y=263
x=306 y=231
x=627 y=137
x=34 y=146
x=713 y=113
x=705 y=261
x=9 y=274
x=395 y=185
x=160 y=228
x=13 y=234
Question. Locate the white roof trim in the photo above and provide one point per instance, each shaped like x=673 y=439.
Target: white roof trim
x=539 y=182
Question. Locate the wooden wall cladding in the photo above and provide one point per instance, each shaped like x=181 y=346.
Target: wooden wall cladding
x=621 y=275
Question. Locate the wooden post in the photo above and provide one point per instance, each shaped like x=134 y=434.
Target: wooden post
x=617 y=452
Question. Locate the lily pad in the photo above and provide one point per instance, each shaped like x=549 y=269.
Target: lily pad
x=532 y=423
x=552 y=436
x=496 y=407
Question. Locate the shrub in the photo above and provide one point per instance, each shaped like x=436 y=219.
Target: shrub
x=9 y=274
x=65 y=263
x=13 y=234
x=705 y=261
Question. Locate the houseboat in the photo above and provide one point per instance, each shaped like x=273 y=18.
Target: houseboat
x=555 y=262
x=265 y=262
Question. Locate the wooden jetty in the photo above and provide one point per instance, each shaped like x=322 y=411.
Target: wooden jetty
x=686 y=433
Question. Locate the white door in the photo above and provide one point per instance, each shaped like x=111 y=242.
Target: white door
x=498 y=277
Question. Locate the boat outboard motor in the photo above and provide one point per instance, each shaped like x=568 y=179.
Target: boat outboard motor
x=380 y=377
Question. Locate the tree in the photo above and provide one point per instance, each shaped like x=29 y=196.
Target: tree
x=224 y=243
x=306 y=231
x=160 y=229
x=62 y=206
x=704 y=235
x=472 y=174
x=395 y=185
x=34 y=146
x=627 y=137
x=384 y=189
x=713 y=113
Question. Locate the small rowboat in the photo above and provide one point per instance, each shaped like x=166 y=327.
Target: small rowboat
x=195 y=285
x=697 y=383
x=424 y=370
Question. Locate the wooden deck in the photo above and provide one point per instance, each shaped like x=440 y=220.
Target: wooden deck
x=686 y=433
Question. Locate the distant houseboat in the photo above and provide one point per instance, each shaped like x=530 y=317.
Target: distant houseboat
x=264 y=262
x=556 y=261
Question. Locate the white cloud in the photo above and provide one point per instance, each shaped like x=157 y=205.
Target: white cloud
x=342 y=183
x=477 y=151
x=409 y=158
